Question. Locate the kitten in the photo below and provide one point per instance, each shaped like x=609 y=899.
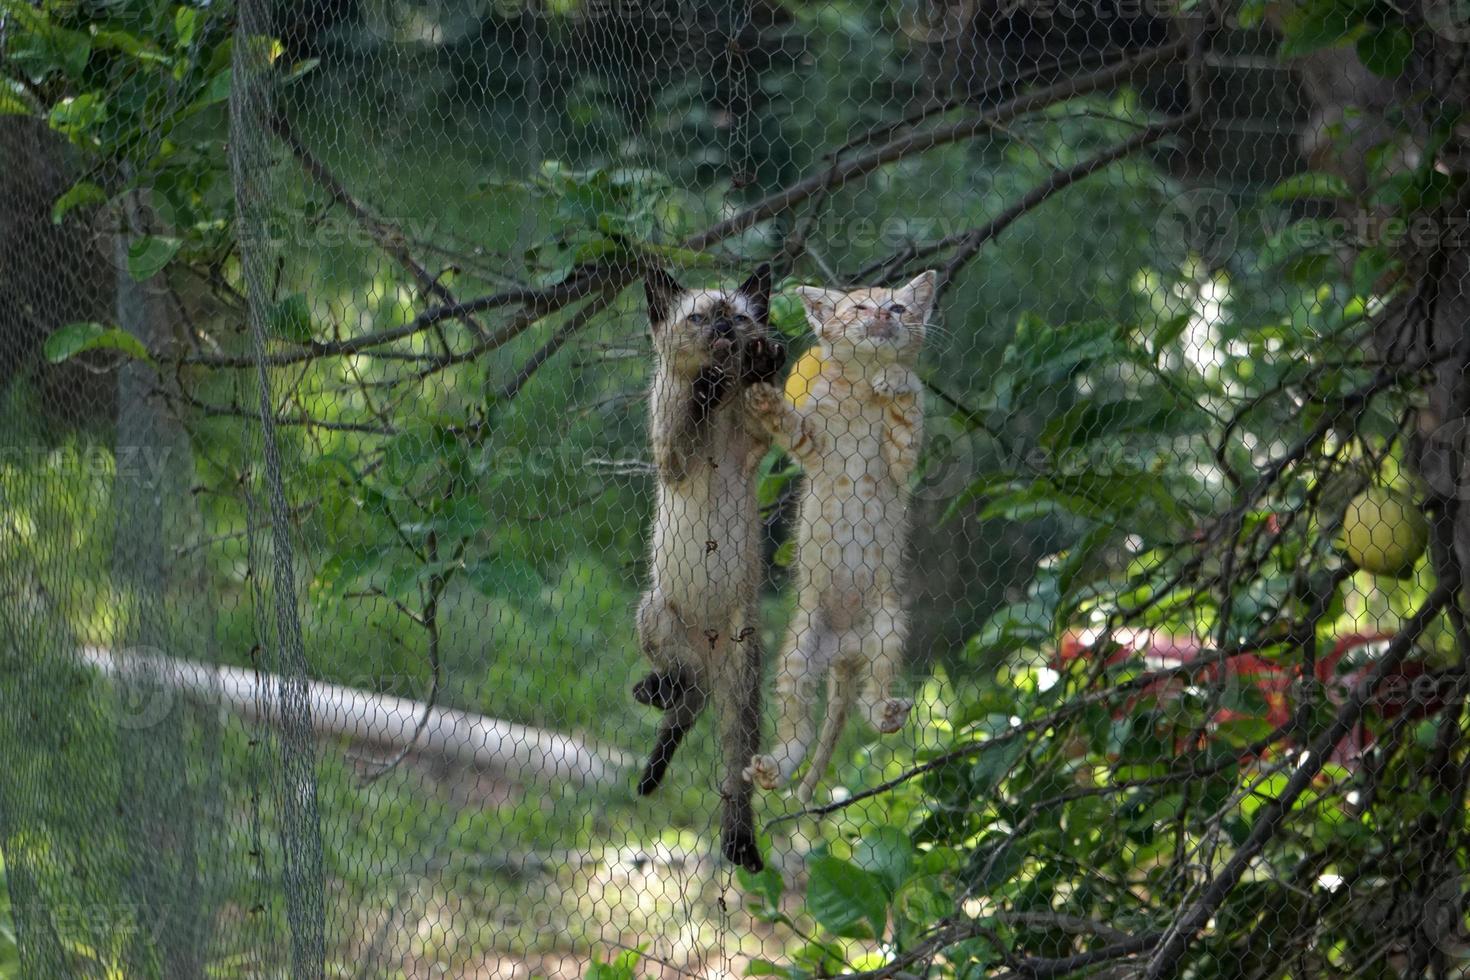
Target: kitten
x=698 y=621
x=855 y=428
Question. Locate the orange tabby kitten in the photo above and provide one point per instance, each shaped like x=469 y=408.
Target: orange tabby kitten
x=855 y=430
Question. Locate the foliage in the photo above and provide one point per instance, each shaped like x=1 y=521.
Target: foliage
x=1175 y=433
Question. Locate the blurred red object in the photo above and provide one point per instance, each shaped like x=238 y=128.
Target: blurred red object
x=1411 y=687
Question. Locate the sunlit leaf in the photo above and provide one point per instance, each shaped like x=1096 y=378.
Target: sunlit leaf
x=74 y=338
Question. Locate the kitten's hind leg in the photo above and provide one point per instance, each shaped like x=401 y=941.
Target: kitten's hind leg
x=808 y=647
x=679 y=718
x=673 y=685
x=883 y=649
x=842 y=690
x=739 y=707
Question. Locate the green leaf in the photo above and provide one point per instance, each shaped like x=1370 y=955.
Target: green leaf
x=149 y=254
x=1317 y=25
x=186 y=22
x=63 y=47
x=1386 y=51
x=1371 y=265
x=785 y=554
x=1251 y=12
x=290 y=319
x=300 y=69
x=995 y=861
x=1020 y=624
x=74 y=338
x=621 y=967
x=80 y=193
x=129 y=44
x=767 y=885
x=1154 y=413
x=888 y=853
x=1077 y=559
x=1169 y=331
x=771 y=481
x=77 y=114
x=844 y=899
x=216 y=90
x=1310 y=185
x=994 y=764
x=12 y=99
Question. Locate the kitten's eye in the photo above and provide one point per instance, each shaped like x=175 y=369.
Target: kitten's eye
x=898 y=309
x=696 y=318
x=864 y=308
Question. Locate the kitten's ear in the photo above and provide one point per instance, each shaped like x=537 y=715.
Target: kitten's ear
x=820 y=303
x=662 y=292
x=919 y=293
x=757 y=289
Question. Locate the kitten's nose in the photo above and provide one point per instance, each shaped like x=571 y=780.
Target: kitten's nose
x=722 y=333
x=884 y=326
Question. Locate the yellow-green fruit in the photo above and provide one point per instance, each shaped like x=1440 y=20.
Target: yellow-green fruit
x=1383 y=532
x=803 y=377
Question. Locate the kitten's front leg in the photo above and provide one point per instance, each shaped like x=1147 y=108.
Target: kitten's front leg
x=683 y=413
x=905 y=420
x=792 y=430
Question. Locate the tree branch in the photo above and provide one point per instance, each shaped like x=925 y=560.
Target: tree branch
x=541 y=301
x=920 y=142
x=387 y=237
x=967 y=243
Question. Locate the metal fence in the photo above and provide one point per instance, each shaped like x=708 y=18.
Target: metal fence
x=1018 y=444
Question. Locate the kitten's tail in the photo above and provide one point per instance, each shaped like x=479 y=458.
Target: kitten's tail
x=842 y=692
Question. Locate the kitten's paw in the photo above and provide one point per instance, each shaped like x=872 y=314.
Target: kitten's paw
x=763 y=359
x=763 y=771
x=764 y=401
x=890 y=714
x=891 y=384
x=744 y=852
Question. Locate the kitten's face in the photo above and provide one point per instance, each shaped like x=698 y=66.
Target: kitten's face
x=693 y=328
x=887 y=324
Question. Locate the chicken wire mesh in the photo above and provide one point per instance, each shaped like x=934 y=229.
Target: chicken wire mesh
x=418 y=415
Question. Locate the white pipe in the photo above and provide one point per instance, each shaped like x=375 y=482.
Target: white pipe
x=502 y=748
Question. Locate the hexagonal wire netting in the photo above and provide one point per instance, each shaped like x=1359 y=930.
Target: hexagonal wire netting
x=1086 y=606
